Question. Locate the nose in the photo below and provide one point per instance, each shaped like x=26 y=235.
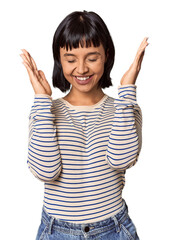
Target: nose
x=82 y=68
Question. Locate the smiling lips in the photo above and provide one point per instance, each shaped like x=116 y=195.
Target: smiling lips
x=83 y=80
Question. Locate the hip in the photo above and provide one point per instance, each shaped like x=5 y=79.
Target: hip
x=117 y=227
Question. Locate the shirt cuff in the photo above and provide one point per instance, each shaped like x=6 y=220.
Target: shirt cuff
x=42 y=95
x=127 y=92
x=126 y=85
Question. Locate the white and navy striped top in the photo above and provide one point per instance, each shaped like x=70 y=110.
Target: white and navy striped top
x=81 y=153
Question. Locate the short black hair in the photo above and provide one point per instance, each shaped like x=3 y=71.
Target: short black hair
x=71 y=32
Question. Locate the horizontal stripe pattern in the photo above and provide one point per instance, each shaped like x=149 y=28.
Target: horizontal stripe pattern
x=44 y=158
x=81 y=153
x=124 y=141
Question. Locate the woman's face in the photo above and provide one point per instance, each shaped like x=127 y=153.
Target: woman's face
x=83 y=67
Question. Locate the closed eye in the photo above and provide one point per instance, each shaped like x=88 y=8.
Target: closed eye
x=71 y=61
x=92 y=60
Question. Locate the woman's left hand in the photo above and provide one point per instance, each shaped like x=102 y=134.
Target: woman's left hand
x=131 y=75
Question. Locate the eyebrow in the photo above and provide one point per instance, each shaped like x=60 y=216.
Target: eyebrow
x=90 y=53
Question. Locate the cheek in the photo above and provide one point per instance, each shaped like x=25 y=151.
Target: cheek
x=67 y=69
x=99 y=68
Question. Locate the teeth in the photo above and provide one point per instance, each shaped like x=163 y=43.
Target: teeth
x=82 y=78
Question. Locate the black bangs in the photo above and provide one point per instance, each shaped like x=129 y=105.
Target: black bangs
x=79 y=34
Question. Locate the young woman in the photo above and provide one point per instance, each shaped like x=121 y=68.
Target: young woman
x=81 y=145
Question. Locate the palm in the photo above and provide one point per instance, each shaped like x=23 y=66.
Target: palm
x=37 y=77
x=131 y=75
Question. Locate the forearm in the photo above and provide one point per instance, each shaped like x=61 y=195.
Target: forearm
x=125 y=138
x=44 y=158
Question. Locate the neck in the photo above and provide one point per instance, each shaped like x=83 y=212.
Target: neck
x=84 y=98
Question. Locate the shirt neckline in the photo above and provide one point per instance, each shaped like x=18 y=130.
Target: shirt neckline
x=84 y=107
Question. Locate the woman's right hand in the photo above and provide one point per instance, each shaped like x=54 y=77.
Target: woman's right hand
x=37 y=77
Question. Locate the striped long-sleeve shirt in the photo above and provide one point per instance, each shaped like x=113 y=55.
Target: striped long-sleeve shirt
x=81 y=153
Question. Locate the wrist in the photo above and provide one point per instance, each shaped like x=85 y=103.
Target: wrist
x=130 y=76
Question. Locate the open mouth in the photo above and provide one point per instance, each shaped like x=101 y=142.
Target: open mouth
x=83 y=78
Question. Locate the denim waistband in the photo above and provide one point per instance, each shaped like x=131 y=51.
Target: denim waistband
x=88 y=228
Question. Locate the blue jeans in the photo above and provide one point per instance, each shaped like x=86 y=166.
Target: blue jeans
x=118 y=227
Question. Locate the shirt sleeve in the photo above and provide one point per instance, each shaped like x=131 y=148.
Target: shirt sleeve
x=44 y=159
x=125 y=139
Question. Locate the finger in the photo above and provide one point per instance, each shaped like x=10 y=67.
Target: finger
x=35 y=84
x=31 y=66
x=28 y=69
x=141 y=49
x=25 y=59
x=34 y=64
x=25 y=53
x=32 y=75
x=43 y=78
x=33 y=61
x=42 y=75
x=30 y=59
x=33 y=71
x=143 y=44
x=45 y=83
x=144 y=40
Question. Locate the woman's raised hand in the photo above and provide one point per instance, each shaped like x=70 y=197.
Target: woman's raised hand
x=37 y=77
x=131 y=75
